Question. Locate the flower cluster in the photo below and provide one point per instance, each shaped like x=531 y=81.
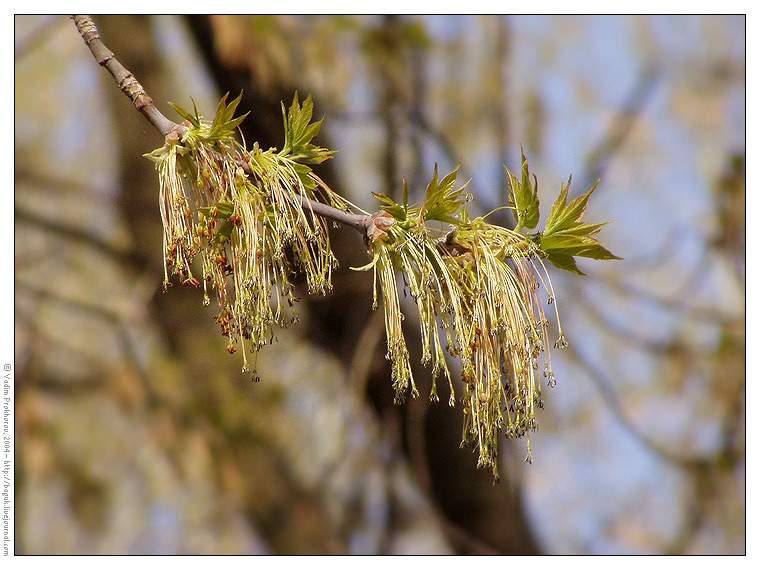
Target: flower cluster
x=242 y=212
x=476 y=290
x=480 y=290
x=478 y=293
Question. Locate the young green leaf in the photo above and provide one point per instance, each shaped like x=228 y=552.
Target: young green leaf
x=304 y=172
x=564 y=216
x=441 y=200
x=224 y=232
x=225 y=209
x=565 y=236
x=566 y=262
x=223 y=124
x=576 y=244
x=396 y=210
x=523 y=197
x=194 y=120
x=218 y=210
x=299 y=133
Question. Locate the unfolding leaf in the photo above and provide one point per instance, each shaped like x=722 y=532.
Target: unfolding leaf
x=193 y=119
x=299 y=133
x=581 y=245
x=566 y=262
x=304 y=172
x=225 y=209
x=565 y=236
x=219 y=210
x=223 y=124
x=565 y=216
x=396 y=210
x=224 y=232
x=523 y=197
x=441 y=200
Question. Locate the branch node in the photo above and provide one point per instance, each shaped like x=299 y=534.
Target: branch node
x=132 y=89
x=87 y=29
x=176 y=132
x=127 y=82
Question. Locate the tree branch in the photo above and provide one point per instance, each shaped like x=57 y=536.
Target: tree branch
x=124 y=78
x=357 y=221
x=143 y=103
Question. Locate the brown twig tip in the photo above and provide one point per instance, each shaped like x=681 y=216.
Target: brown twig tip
x=86 y=28
x=377 y=224
x=127 y=82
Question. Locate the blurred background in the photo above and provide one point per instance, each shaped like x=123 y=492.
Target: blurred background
x=137 y=433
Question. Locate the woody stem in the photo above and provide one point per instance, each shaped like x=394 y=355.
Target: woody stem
x=132 y=88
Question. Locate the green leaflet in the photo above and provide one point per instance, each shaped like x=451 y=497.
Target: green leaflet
x=223 y=210
x=396 y=210
x=523 y=197
x=564 y=216
x=224 y=232
x=223 y=125
x=405 y=194
x=566 y=236
x=303 y=172
x=193 y=119
x=299 y=132
x=441 y=200
x=566 y=262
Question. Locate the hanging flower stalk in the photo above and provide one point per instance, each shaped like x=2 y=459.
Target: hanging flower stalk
x=243 y=213
x=478 y=289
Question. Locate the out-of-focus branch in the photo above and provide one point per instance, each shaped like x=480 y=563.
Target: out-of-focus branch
x=656 y=346
x=501 y=125
x=690 y=463
x=439 y=138
x=117 y=320
x=612 y=401
x=45 y=28
x=77 y=234
x=621 y=126
x=702 y=313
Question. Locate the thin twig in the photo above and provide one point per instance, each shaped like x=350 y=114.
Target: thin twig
x=124 y=78
x=357 y=221
x=143 y=103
